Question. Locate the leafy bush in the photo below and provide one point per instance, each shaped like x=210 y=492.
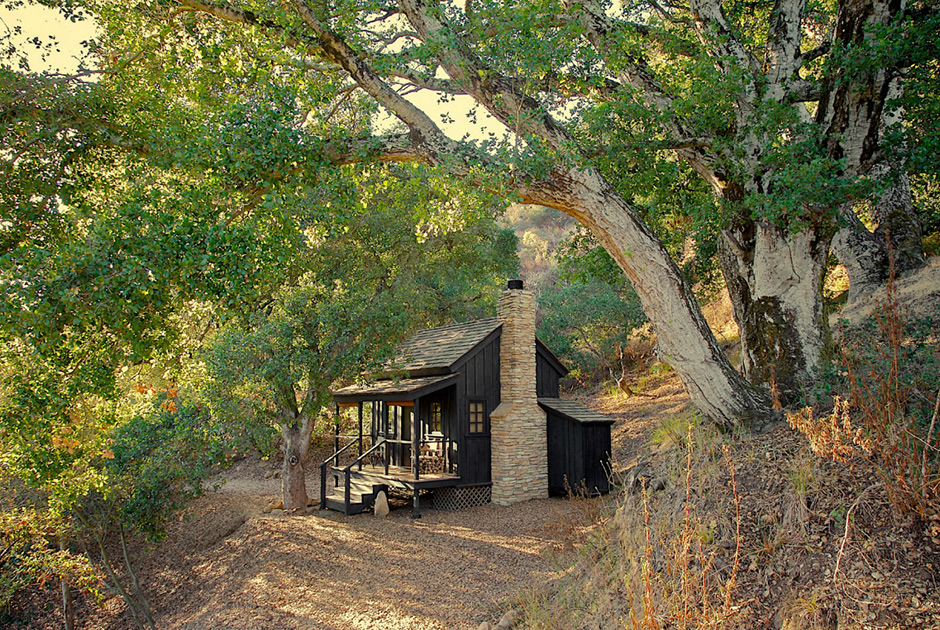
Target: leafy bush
x=29 y=556
x=160 y=461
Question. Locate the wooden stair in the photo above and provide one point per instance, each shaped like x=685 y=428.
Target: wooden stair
x=362 y=493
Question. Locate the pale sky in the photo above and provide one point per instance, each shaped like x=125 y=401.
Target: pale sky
x=36 y=20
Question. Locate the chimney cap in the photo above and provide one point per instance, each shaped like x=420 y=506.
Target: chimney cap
x=514 y=284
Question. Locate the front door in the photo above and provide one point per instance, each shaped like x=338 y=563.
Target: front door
x=477 y=439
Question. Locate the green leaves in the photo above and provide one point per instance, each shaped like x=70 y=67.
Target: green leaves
x=160 y=460
x=402 y=247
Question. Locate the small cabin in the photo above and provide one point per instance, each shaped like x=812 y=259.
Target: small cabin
x=468 y=413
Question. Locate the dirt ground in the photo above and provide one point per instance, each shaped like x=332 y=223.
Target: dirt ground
x=445 y=570
x=227 y=564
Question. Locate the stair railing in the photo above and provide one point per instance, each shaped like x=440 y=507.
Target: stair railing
x=323 y=471
x=346 y=470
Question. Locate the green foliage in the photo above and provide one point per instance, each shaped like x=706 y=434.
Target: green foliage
x=161 y=459
x=280 y=361
x=588 y=317
x=30 y=555
x=403 y=248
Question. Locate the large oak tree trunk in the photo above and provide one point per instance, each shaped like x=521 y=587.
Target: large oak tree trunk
x=713 y=384
x=864 y=257
x=868 y=255
x=683 y=335
x=856 y=114
x=775 y=283
x=898 y=225
x=296 y=443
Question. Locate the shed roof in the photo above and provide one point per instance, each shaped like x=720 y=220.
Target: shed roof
x=440 y=348
x=571 y=409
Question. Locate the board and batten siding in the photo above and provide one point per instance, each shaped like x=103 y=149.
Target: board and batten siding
x=546 y=376
x=578 y=454
x=478 y=382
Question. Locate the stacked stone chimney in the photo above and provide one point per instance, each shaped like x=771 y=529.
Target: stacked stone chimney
x=517 y=425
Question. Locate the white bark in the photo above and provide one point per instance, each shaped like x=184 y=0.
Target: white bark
x=856 y=116
x=683 y=335
x=775 y=281
x=716 y=388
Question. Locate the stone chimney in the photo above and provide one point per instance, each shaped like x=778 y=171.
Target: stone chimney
x=517 y=425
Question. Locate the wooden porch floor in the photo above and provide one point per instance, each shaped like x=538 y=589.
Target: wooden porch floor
x=404 y=477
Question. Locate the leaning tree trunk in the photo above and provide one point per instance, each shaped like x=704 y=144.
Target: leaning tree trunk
x=713 y=384
x=898 y=225
x=897 y=239
x=296 y=442
x=682 y=333
x=775 y=283
x=865 y=257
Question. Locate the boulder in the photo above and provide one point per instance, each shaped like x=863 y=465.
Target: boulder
x=275 y=504
x=510 y=619
x=381 y=504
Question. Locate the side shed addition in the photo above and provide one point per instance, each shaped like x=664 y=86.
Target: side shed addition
x=578 y=447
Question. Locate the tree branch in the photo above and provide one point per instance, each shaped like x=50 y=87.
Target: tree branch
x=815 y=53
x=503 y=98
x=428 y=138
x=804 y=91
x=230 y=14
x=717 y=36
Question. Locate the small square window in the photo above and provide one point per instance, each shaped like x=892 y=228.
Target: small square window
x=477 y=417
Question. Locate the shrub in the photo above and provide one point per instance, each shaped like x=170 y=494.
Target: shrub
x=160 y=460
x=887 y=407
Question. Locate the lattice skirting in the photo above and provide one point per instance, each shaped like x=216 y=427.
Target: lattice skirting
x=461 y=498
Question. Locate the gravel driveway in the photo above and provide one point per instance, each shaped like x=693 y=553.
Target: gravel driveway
x=226 y=565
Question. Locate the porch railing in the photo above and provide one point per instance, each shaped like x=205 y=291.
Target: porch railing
x=435 y=456
x=347 y=469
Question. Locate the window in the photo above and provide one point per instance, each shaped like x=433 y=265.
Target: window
x=477 y=417
x=436 y=414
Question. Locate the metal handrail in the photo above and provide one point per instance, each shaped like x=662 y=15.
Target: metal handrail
x=336 y=454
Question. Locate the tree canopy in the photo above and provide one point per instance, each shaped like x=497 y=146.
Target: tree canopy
x=780 y=109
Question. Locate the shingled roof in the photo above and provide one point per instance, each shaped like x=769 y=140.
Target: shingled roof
x=406 y=388
x=440 y=348
x=575 y=411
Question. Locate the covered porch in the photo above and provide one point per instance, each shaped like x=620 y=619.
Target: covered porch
x=403 y=442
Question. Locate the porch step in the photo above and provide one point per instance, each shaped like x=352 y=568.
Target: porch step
x=361 y=498
x=355 y=485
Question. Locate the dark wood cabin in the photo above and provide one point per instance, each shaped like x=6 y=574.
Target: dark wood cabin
x=429 y=428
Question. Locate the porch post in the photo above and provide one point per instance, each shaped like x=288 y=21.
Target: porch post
x=385 y=424
x=360 y=434
x=416 y=440
x=416 y=506
x=336 y=431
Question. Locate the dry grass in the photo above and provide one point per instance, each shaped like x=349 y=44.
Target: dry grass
x=749 y=532
x=657 y=561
